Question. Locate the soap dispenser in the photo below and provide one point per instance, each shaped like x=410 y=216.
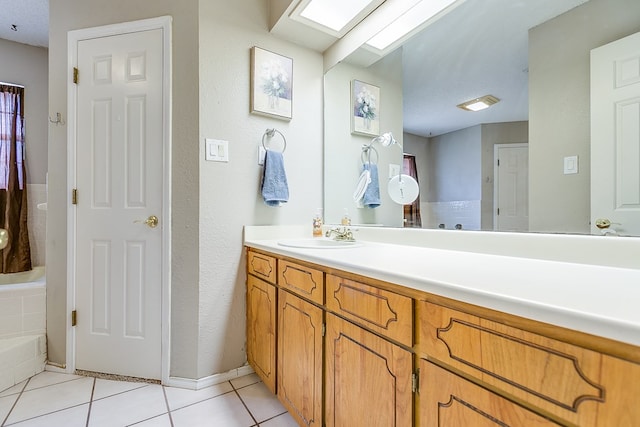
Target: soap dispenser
x=317 y=224
x=346 y=219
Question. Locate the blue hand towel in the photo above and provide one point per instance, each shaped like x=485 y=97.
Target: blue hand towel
x=275 y=190
x=371 y=197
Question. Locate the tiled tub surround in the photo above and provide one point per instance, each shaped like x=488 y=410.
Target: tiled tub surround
x=584 y=283
x=22 y=327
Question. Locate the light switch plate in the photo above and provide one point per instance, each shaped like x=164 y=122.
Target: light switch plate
x=570 y=165
x=393 y=170
x=216 y=150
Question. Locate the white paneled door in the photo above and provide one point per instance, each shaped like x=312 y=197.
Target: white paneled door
x=119 y=174
x=615 y=137
x=511 y=187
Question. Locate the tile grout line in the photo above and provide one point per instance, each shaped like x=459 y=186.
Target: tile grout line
x=166 y=402
x=93 y=390
x=244 y=404
x=16 y=402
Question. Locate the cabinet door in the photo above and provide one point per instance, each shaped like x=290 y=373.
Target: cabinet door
x=300 y=358
x=368 y=379
x=261 y=330
x=447 y=400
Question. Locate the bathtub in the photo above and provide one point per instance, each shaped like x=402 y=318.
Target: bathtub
x=23 y=349
x=26 y=279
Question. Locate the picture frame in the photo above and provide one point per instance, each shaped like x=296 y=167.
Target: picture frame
x=271 y=85
x=365 y=108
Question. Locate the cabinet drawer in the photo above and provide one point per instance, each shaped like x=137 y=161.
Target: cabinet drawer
x=557 y=377
x=303 y=281
x=381 y=311
x=448 y=400
x=263 y=266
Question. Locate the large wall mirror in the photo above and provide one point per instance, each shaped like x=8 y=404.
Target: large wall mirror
x=534 y=56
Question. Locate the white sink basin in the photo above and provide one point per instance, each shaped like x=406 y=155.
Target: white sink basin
x=318 y=243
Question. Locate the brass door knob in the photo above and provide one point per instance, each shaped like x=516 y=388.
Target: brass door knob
x=152 y=221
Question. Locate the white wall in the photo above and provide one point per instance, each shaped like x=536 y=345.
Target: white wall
x=229 y=192
x=211 y=201
x=343 y=163
x=65 y=15
x=559 y=113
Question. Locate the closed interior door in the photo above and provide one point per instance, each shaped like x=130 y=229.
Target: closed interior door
x=615 y=136
x=511 y=187
x=119 y=174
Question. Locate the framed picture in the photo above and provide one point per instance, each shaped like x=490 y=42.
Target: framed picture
x=365 y=108
x=271 y=84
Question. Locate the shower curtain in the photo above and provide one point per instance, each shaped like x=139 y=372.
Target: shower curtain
x=411 y=212
x=16 y=256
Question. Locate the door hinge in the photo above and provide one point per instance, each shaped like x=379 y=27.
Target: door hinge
x=498 y=211
x=415 y=381
x=74 y=318
x=75 y=75
x=324 y=329
x=74 y=196
x=498 y=162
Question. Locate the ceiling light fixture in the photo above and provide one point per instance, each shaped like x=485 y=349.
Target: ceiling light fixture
x=478 y=104
x=413 y=18
x=335 y=17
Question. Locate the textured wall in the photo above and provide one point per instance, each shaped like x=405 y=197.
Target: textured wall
x=559 y=113
x=66 y=15
x=229 y=192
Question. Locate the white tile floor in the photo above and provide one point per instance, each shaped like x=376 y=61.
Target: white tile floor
x=52 y=399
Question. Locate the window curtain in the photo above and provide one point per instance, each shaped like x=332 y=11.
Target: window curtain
x=412 y=211
x=16 y=256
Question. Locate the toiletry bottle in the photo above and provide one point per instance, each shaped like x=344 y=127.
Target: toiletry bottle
x=346 y=219
x=317 y=224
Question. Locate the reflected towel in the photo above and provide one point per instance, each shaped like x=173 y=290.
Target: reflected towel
x=371 y=197
x=275 y=190
x=363 y=183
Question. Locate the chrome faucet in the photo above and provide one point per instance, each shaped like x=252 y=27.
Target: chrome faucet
x=343 y=235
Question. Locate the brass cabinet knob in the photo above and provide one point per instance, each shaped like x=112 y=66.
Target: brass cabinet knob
x=603 y=223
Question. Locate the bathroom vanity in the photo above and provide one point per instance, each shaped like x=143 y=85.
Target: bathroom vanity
x=391 y=335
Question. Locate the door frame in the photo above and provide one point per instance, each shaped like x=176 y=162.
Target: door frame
x=73 y=39
x=496 y=175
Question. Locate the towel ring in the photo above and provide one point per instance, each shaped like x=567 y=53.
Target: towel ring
x=366 y=154
x=270 y=133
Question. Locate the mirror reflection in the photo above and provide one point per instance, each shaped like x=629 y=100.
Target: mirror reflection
x=532 y=56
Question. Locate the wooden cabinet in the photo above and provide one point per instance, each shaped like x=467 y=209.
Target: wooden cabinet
x=262 y=266
x=384 y=312
x=261 y=330
x=300 y=358
x=368 y=379
x=477 y=367
x=304 y=281
x=447 y=400
x=559 y=378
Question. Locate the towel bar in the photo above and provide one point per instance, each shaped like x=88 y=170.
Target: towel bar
x=270 y=133
x=366 y=154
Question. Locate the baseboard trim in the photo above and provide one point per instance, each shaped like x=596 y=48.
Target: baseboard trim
x=201 y=383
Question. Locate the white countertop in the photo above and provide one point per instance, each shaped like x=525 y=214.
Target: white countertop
x=598 y=300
